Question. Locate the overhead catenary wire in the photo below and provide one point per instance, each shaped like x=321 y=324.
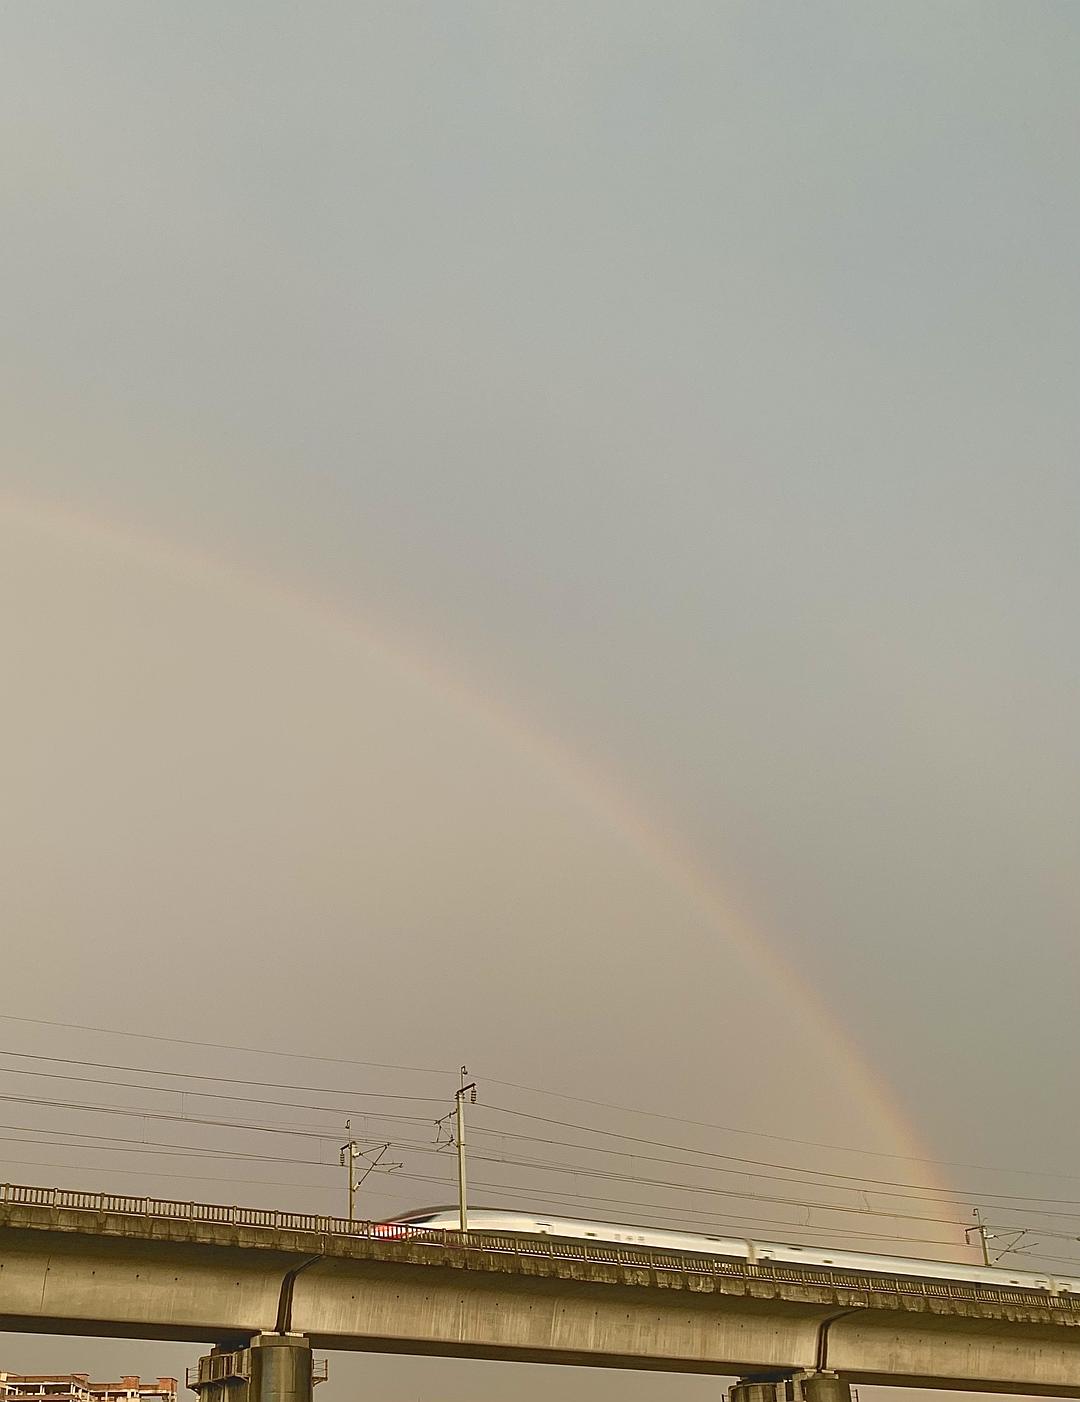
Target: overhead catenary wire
x=223 y=1095
x=740 y=1194
x=136 y=1112
x=172 y=1151
x=533 y=1090
x=223 y=1046
x=662 y=1144
x=843 y=1182
x=684 y=1220
x=575 y=1170
x=161 y=1173
x=155 y=1148
x=850 y=1182
x=670 y=1212
x=686 y=1149
x=743 y=1195
x=252 y=1100
x=202 y=1076
x=158 y=1149
x=960 y=1194
x=531 y=1165
x=156 y=1152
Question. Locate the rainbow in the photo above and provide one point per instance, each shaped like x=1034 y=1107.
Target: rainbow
x=661 y=850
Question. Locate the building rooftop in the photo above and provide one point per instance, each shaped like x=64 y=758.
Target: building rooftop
x=80 y=1385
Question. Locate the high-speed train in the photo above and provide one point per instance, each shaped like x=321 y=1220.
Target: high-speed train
x=731 y=1248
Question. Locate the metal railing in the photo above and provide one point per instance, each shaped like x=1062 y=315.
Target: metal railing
x=519 y=1245
x=195 y=1211
x=216 y=1372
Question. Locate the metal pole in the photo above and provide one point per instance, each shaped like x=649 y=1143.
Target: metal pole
x=982 y=1236
x=459 y=1114
x=463 y=1211
x=349 y=1151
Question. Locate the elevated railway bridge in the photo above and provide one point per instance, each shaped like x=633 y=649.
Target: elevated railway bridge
x=264 y=1288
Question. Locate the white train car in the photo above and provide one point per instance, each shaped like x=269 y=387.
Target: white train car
x=501 y=1221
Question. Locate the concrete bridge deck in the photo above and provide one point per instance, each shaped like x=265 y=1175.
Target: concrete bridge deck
x=77 y=1263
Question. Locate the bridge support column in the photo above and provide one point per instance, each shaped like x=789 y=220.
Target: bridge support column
x=800 y=1387
x=281 y=1369
x=273 y=1368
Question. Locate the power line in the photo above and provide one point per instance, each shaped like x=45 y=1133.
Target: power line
x=532 y=1090
x=749 y=1133
x=1008 y=1200
x=153 y=1147
x=157 y=1152
x=198 y=1076
x=139 y=1070
x=576 y=1199
x=747 y=1195
x=662 y=1144
x=578 y=1170
x=157 y=1143
x=861 y=1180
x=421 y=1178
x=653 y=1209
x=118 y=1143
x=858 y=1183
x=157 y=1149
x=187 y=1177
x=134 y=1112
x=224 y=1046
x=672 y=1213
x=220 y=1095
x=1061 y=1260
x=744 y=1195
x=534 y=1166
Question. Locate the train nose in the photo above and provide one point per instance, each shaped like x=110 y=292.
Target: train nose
x=390 y=1231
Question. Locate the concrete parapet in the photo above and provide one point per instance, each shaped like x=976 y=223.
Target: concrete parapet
x=103 y=1270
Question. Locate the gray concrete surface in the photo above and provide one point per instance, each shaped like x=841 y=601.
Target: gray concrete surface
x=79 y=1271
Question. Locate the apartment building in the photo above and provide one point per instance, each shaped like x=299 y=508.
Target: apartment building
x=77 y=1387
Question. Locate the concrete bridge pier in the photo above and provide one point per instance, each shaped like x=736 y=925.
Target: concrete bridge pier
x=273 y=1368
x=800 y=1387
x=281 y=1369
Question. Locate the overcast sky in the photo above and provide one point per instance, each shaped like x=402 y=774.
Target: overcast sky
x=545 y=536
